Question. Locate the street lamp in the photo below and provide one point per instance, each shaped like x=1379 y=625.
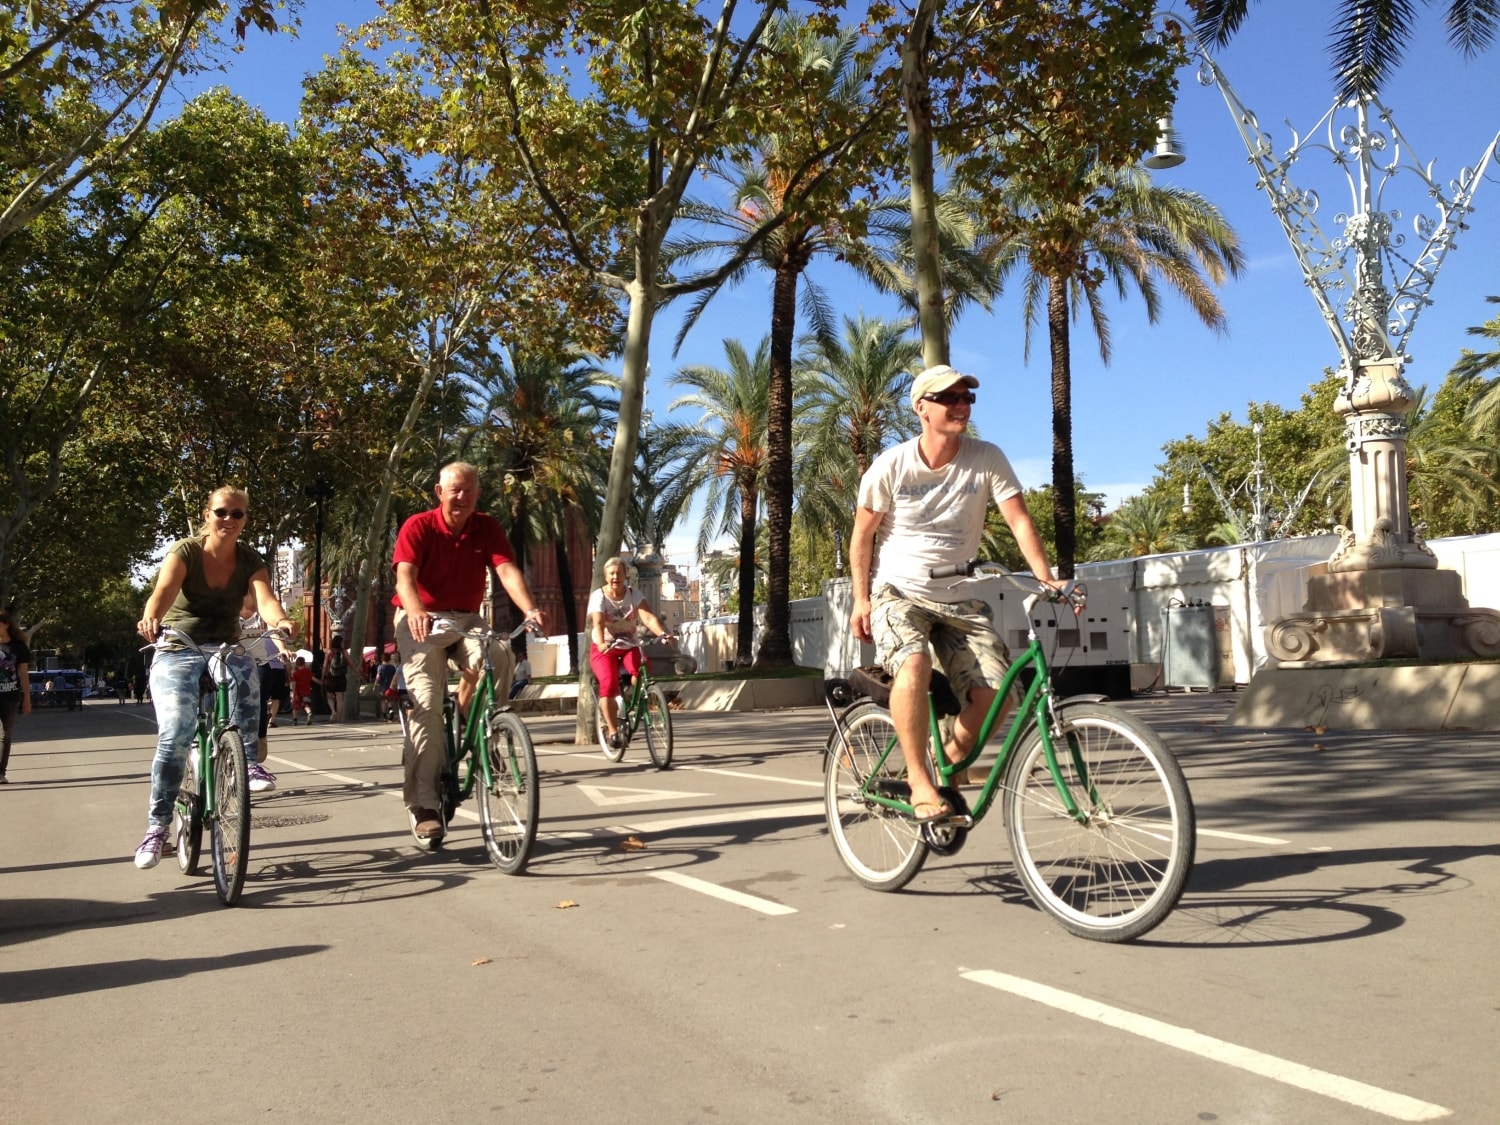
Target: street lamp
x=1382 y=577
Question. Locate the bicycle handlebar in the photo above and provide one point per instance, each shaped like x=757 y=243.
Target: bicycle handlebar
x=448 y=625
x=637 y=642
x=1072 y=592
x=178 y=637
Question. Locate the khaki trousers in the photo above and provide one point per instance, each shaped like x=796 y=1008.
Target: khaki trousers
x=425 y=668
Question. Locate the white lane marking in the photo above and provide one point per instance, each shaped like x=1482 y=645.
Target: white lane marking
x=606 y=795
x=670 y=824
x=753 y=776
x=1243 y=837
x=713 y=890
x=286 y=763
x=1398 y=1106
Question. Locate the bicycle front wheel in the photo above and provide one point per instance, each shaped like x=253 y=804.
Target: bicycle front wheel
x=658 y=727
x=1118 y=867
x=231 y=822
x=881 y=847
x=613 y=753
x=508 y=799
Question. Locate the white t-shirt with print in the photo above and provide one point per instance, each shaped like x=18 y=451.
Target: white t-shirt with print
x=933 y=517
x=620 y=617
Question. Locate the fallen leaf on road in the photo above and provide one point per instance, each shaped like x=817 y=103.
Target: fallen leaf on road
x=566 y=904
x=480 y=961
x=632 y=844
x=1317 y=746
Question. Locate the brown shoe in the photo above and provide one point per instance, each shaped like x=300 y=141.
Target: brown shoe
x=426 y=826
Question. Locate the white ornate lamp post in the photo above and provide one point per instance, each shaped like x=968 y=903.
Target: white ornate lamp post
x=1382 y=594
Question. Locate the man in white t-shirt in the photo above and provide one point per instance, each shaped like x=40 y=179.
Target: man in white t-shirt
x=928 y=498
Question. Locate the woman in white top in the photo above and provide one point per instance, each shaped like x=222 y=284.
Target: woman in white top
x=616 y=611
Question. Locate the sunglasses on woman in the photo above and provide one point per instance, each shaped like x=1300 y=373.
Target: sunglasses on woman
x=950 y=398
x=230 y=513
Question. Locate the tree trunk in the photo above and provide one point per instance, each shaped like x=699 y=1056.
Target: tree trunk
x=776 y=640
x=374 y=546
x=745 y=642
x=569 y=602
x=622 y=457
x=916 y=96
x=1064 y=503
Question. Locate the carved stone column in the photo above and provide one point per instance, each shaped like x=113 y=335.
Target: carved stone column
x=1381 y=595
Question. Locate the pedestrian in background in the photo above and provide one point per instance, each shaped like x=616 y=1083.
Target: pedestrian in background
x=15 y=683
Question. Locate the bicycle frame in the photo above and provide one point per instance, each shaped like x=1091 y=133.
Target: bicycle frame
x=463 y=736
x=209 y=725
x=467 y=743
x=1037 y=707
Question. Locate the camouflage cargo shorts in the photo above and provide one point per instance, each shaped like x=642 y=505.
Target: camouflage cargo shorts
x=959 y=636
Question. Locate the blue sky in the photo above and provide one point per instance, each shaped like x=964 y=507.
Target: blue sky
x=1168 y=380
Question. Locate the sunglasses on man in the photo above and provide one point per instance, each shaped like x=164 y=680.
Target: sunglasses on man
x=229 y=513
x=950 y=398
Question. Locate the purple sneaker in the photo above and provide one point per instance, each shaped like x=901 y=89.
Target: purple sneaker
x=149 y=853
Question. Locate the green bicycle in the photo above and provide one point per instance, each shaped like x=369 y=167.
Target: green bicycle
x=501 y=760
x=643 y=705
x=218 y=754
x=1099 y=817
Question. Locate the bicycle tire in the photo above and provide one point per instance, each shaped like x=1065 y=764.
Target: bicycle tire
x=613 y=753
x=882 y=848
x=658 y=723
x=1116 y=873
x=508 y=803
x=231 y=820
x=187 y=819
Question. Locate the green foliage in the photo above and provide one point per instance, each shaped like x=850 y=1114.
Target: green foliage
x=999 y=545
x=79 y=85
x=1143 y=525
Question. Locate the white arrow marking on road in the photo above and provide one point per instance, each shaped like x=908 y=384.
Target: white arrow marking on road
x=605 y=795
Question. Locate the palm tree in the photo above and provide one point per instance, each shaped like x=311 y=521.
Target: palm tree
x=1150 y=236
x=724 y=457
x=534 y=434
x=1369 y=36
x=1141 y=526
x=1484 y=408
x=874 y=238
x=854 y=405
x=658 y=499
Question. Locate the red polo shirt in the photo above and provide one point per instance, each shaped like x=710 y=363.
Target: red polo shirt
x=450 y=568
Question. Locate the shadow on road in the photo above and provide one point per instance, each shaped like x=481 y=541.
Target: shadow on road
x=1264 y=901
x=71 y=980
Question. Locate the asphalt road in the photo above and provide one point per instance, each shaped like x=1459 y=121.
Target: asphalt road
x=1333 y=959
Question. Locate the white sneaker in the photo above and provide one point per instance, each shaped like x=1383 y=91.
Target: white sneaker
x=262 y=780
x=148 y=855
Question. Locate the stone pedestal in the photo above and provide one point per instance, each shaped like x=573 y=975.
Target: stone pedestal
x=1384 y=614
x=1381 y=595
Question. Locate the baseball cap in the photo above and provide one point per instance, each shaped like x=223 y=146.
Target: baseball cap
x=938 y=378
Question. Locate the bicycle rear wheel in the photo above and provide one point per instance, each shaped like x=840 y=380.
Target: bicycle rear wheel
x=508 y=801
x=882 y=848
x=231 y=821
x=658 y=724
x=187 y=817
x=613 y=753
x=1115 y=871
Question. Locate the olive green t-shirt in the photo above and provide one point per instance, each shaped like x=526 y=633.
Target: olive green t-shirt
x=209 y=615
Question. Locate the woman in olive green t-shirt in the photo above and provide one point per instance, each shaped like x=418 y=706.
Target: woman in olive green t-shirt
x=200 y=591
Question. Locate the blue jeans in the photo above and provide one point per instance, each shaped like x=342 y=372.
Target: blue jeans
x=174 y=691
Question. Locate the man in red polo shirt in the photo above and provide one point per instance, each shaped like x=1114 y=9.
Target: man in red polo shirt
x=441 y=558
